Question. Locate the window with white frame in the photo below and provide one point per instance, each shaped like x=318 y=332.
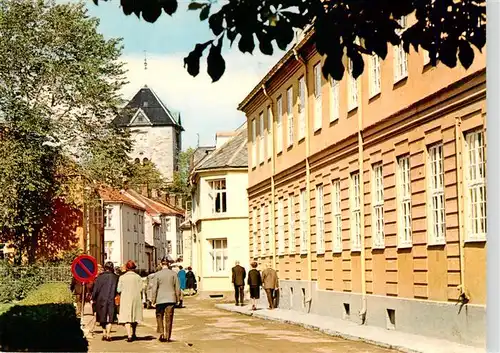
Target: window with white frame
x=303 y=221
x=436 y=218
x=318 y=107
x=400 y=56
x=261 y=232
x=254 y=143
x=355 y=213
x=291 y=224
x=218 y=196
x=270 y=225
x=302 y=108
x=254 y=232
x=219 y=255
x=269 y=132
x=353 y=89
x=404 y=202
x=475 y=183
x=279 y=125
x=179 y=244
x=261 y=138
x=337 y=217
x=320 y=220
x=334 y=100
x=289 y=114
x=375 y=84
x=281 y=228
x=136 y=222
x=378 y=241
x=108 y=216
x=167 y=225
x=108 y=249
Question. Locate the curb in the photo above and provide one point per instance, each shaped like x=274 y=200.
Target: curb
x=329 y=332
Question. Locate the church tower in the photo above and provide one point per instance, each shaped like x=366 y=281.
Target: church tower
x=155 y=131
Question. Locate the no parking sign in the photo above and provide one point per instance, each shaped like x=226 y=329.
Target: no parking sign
x=84 y=268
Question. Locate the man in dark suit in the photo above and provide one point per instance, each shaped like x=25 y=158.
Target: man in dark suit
x=239 y=275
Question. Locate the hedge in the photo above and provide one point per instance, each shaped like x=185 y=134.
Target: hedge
x=45 y=321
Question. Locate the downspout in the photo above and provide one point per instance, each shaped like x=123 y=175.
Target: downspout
x=300 y=58
x=463 y=297
x=362 y=313
x=273 y=171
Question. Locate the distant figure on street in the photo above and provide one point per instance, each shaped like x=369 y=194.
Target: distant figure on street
x=239 y=275
x=76 y=288
x=254 y=282
x=182 y=283
x=271 y=285
x=130 y=288
x=190 y=281
x=103 y=298
x=166 y=295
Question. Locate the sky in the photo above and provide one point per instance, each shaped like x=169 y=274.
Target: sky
x=205 y=107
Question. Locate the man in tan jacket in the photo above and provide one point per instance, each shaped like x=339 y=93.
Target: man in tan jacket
x=270 y=283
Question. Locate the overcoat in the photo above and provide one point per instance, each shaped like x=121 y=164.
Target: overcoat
x=190 y=280
x=182 y=279
x=103 y=296
x=130 y=289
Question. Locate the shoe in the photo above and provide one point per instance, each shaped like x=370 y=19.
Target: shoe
x=108 y=339
x=162 y=339
x=130 y=339
x=237 y=304
x=104 y=338
x=134 y=337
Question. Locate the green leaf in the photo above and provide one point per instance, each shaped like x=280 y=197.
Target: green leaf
x=151 y=11
x=195 y=6
x=205 y=12
x=215 y=23
x=192 y=61
x=265 y=44
x=246 y=43
x=215 y=62
x=465 y=54
x=170 y=6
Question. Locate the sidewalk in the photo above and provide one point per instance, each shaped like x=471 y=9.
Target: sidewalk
x=404 y=342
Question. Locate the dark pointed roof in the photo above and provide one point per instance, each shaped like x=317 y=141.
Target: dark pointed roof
x=150 y=110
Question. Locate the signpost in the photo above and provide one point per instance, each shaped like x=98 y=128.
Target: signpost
x=84 y=269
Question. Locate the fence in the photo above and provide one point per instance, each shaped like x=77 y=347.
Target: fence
x=45 y=274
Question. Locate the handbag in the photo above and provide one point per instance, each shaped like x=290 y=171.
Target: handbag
x=117 y=300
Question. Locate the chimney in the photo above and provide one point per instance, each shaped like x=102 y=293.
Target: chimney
x=144 y=191
x=222 y=137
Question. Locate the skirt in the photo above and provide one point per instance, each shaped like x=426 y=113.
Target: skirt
x=254 y=292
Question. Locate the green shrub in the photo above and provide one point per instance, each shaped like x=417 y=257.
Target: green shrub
x=41 y=328
x=49 y=293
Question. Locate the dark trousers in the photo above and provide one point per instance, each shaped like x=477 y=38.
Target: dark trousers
x=238 y=293
x=272 y=298
x=165 y=319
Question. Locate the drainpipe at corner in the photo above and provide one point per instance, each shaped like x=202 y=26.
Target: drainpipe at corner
x=273 y=171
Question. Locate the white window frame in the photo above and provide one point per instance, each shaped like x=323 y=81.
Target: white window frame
x=375 y=83
x=215 y=190
x=303 y=221
x=254 y=143
x=279 y=125
x=475 y=186
x=378 y=238
x=404 y=202
x=337 y=217
x=261 y=231
x=261 y=138
x=318 y=104
x=353 y=88
x=400 y=56
x=356 y=241
x=334 y=100
x=269 y=132
x=302 y=108
x=270 y=225
x=254 y=233
x=108 y=217
x=291 y=224
x=320 y=220
x=289 y=113
x=281 y=228
x=436 y=197
x=223 y=251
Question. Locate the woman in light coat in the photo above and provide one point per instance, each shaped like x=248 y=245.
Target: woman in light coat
x=130 y=289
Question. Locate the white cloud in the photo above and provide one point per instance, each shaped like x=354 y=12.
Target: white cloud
x=205 y=107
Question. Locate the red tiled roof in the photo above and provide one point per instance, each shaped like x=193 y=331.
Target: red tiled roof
x=110 y=195
x=154 y=207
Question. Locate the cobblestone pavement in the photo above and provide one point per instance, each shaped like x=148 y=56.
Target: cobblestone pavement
x=200 y=327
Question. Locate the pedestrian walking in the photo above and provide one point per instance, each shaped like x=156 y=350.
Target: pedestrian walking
x=271 y=284
x=239 y=275
x=76 y=288
x=166 y=295
x=103 y=299
x=254 y=282
x=190 y=281
x=130 y=288
x=182 y=283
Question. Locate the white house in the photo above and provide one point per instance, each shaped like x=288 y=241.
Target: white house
x=154 y=129
x=219 y=218
x=124 y=229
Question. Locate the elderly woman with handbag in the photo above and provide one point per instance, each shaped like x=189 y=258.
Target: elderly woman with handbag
x=103 y=298
x=130 y=289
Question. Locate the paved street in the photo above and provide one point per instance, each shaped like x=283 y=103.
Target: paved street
x=200 y=327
